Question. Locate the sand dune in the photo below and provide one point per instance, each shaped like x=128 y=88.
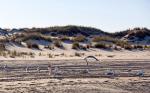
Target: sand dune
x=68 y=53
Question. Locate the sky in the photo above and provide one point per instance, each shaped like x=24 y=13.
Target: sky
x=107 y=15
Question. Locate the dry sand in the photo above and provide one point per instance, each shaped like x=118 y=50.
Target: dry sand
x=86 y=85
x=72 y=85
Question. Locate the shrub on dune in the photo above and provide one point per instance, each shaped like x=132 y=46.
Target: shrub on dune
x=51 y=47
x=100 y=45
x=103 y=38
x=65 y=38
x=80 y=38
x=30 y=45
x=128 y=47
x=58 y=44
x=2 y=47
x=75 y=45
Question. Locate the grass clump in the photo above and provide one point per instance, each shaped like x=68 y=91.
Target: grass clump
x=50 y=47
x=50 y=55
x=30 y=45
x=32 y=55
x=79 y=54
x=75 y=45
x=100 y=45
x=36 y=36
x=128 y=47
x=79 y=38
x=103 y=38
x=2 y=47
x=65 y=38
x=58 y=44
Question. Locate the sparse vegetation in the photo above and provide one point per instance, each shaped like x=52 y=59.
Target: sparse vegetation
x=128 y=47
x=83 y=47
x=65 y=38
x=50 y=55
x=32 y=55
x=75 y=45
x=79 y=38
x=100 y=45
x=79 y=54
x=51 y=47
x=36 y=36
x=2 y=47
x=111 y=56
x=30 y=45
x=103 y=38
x=58 y=44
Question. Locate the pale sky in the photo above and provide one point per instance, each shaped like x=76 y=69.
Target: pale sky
x=108 y=15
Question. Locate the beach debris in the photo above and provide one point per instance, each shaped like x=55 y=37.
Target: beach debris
x=38 y=68
x=85 y=71
x=49 y=69
x=26 y=69
x=5 y=68
x=140 y=73
x=56 y=71
x=90 y=57
x=110 y=73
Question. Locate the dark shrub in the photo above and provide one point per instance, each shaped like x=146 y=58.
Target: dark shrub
x=100 y=45
x=35 y=36
x=51 y=47
x=58 y=44
x=83 y=47
x=35 y=46
x=75 y=45
x=128 y=47
x=30 y=45
x=64 y=38
x=146 y=47
x=103 y=38
x=2 y=47
x=79 y=54
x=138 y=46
x=88 y=46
